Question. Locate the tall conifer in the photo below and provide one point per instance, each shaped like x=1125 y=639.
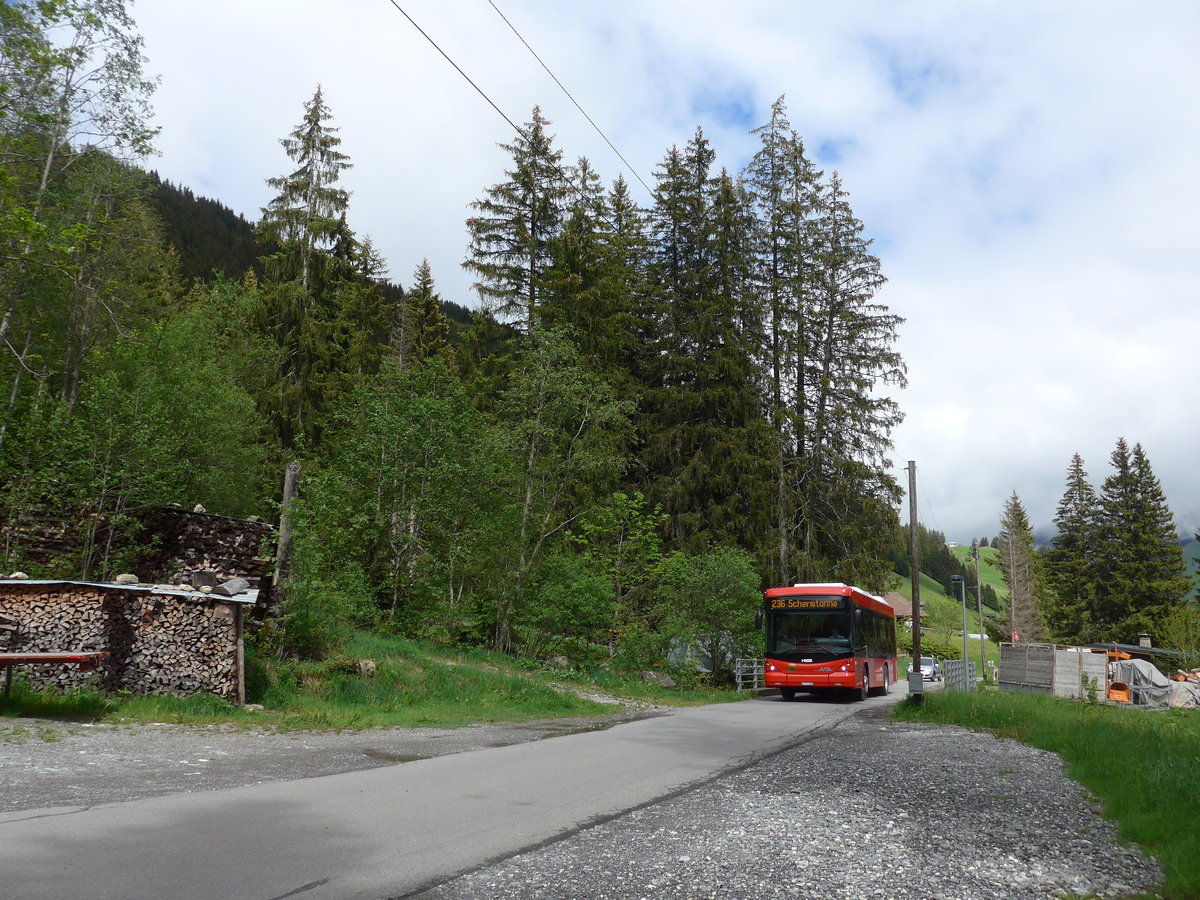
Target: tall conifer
x=1141 y=567
x=1020 y=566
x=1071 y=563
x=515 y=223
x=703 y=427
x=324 y=315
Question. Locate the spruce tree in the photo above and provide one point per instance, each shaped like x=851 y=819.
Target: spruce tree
x=828 y=353
x=420 y=331
x=703 y=425
x=319 y=307
x=1141 y=572
x=1019 y=564
x=1071 y=562
x=306 y=219
x=587 y=289
x=515 y=223
x=782 y=184
x=847 y=359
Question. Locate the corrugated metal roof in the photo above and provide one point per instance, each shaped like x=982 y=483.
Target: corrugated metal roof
x=1135 y=649
x=247 y=597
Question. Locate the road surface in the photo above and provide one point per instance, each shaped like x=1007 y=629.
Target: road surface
x=389 y=831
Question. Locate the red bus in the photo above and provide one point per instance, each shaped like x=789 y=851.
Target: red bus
x=828 y=637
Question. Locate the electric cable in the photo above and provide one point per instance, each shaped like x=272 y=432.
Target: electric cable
x=520 y=131
x=571 y=98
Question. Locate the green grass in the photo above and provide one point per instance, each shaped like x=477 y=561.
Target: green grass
x=71 y=706
x=989 y=572
x=414 y=685
x=1144 y=767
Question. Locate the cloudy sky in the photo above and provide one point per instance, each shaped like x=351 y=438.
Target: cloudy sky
x=1027 y=169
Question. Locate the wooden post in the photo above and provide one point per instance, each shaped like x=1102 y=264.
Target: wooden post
x=240 y=652
x=291 y=481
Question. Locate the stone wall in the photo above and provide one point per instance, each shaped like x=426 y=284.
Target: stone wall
x=162 y=640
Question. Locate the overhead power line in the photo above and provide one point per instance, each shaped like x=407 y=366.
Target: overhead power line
x=520 y=131
x=571 y=98
x=456 y=67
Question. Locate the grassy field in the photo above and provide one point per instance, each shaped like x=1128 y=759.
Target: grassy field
x=1144 y=767
x=414 y=685
x=990 y=572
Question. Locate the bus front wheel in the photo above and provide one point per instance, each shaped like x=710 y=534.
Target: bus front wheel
x=787 y=693
x=865 y=690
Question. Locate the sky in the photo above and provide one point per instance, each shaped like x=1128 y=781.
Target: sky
x=1027 y=171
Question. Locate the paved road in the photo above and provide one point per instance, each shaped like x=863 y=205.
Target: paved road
x=388 y=831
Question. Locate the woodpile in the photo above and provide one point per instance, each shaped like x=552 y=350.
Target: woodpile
x=191 y=542
x=185 y=542
x=161 y=643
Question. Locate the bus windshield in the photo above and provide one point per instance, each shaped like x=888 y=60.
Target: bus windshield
x=809 y=631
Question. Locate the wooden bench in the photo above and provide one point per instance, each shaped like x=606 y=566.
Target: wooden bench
x=85 y=659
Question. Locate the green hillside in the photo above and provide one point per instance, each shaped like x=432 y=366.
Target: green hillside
x=941 y=614
x=989 y=571
x=1191 y=554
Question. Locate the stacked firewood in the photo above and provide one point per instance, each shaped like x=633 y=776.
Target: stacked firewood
x=160 y=643
x=193 y=542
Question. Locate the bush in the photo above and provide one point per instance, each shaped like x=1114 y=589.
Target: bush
x=931 y=645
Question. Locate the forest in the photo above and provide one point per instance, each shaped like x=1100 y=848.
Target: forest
x=652 y=413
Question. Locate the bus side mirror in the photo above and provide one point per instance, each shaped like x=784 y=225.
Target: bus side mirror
x=758 y=619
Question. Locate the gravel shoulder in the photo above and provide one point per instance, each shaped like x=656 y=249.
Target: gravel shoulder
x=871 y=808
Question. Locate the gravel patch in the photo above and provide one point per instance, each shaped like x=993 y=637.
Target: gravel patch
x=870 y=809
x=45 y=763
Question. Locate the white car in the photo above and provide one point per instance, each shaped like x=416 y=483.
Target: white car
x=930 y=670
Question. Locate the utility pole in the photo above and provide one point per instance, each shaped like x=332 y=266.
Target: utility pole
x=915 y=573
x=979 y=604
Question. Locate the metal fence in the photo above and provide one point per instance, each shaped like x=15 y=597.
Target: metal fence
x=959 y=675
x=749 y=673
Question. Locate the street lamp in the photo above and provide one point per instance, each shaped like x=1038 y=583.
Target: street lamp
x=962 y=595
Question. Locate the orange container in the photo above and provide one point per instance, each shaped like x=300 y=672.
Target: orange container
x=1118 y=691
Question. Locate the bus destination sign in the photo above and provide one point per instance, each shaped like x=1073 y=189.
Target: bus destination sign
x=806 y=603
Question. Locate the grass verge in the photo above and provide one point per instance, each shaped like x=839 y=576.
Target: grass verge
x=412 y=685
x=1143 y=766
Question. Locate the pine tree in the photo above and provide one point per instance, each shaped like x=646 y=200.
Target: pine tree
x=319 y=306
x=782 y=185
x=1140 y=577
x=1019 y=564
x=419 y=329
x=703 y=423
x=307 y=217
x=1071 y=562
x=515 y=224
